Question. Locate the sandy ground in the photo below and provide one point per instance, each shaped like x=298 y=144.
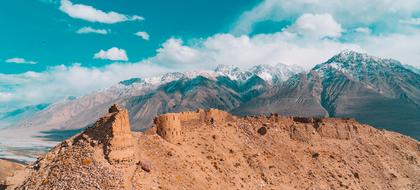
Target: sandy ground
x=8 y=168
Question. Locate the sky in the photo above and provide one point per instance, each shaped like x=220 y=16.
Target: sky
x=53 y=49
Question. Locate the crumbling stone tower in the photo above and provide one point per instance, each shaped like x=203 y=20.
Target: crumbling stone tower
x=168 y=126
x=113 y=131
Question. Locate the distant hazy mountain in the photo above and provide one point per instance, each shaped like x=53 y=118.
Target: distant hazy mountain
x=12 y=117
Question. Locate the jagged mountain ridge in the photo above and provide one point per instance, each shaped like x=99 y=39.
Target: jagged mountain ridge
x=377 y=91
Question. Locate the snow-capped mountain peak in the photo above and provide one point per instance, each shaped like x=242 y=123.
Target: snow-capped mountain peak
x=275 y=74
x=357 y=65
x=232 y=72
x=270 y=74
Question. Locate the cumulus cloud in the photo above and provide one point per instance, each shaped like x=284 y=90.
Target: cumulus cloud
x=59 y=82
x=88 y=29
x=245 y=51
x=143 y=35
x=402 y=47
x=411 y=21
x=281 y=47
x=363 y=30
x=19 y=60
x=114 y=54
x=384 y=14
x=92 y=14
x=317 y=26
x=174 y=53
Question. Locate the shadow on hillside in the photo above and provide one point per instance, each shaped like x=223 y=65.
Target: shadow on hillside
x=59 y=135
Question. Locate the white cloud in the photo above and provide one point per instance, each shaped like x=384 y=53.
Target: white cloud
x=402 y=47
x=385 y=14
x=316 y=26
x=5 y=96
x=143 y=35
x=92 y=14
x=281 y=47
x=363 y=30
x=174 y=53
x=59 y=82
x=411 y=21
x=114 y=54
x=19 y=60
x=245 y=51
x=86 y=30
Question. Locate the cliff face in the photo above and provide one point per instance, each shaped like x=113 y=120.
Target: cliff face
x=214 y=150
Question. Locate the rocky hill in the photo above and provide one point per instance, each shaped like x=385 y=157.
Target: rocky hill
x=215 y=150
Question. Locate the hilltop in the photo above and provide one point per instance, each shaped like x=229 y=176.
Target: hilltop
x=215 y=150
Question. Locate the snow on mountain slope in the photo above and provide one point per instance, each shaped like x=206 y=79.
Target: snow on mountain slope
x=277 y=73
x=380 y=92
x=386 y=76
x=413 y=68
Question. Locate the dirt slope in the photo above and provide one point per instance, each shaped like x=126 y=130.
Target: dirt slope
x=214 y=150
x=7 y=169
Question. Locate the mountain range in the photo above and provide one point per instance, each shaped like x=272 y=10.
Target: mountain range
x=380 y=92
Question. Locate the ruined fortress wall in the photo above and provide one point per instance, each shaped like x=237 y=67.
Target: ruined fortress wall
x=168 y=126
x=198 y=115
x=217 y=116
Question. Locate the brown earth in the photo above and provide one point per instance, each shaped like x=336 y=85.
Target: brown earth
x=215 y=150
x=8 y=169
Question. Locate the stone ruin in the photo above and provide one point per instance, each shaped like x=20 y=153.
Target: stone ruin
x=169 y=126
x=113 y=131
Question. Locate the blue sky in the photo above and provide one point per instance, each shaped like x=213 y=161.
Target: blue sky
x=52 y=49
x=38 y=30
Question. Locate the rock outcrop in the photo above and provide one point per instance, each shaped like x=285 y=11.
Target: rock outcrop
x=214 y=150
